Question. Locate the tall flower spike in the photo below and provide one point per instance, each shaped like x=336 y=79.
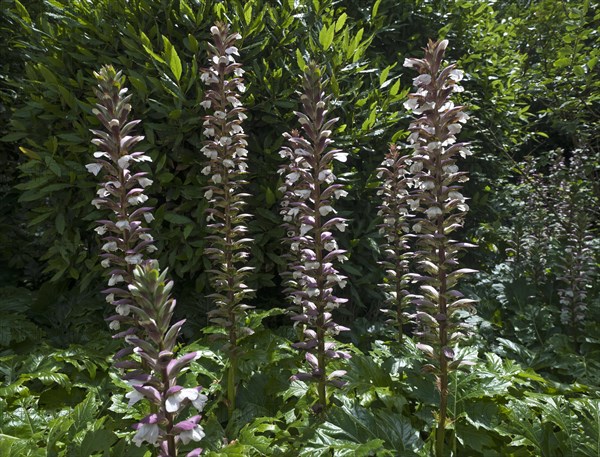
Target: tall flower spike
x=307 y=208
x=571 y=197
x=125 y=239
x=226 y=166
x=437 y=197
x=394 y=191
x=149 y=364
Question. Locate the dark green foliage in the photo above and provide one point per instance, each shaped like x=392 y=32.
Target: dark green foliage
x=160 y=48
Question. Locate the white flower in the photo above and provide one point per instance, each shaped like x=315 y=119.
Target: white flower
x=208 y=194
x=325 y=210
x=239 y=72
x=326 y=176
x=220 y=114
x=174 y=401
x=234 y=101
x=105 y=263
x=456 y=75
x=151 y=248
x=425 y=107
x=195 y=434
x=146 y=432
x=140 y=198
x=454 y=195
x=124 y=161
x=210 y=153
x=302 y=193
x=216 y=178
x=450 y=168
x=434 y=145
x=206 y=170
x=411 y=104
x=422 y=80
x=102 y=192
x=205 y=104
x=462 y=117
x=142 y=158
x=341 y=226
x=313 y=292
x=413 y=203
x=224 y=141
x=311 y=265
x=209 y=132
x=114 y=325
x=417 y=228
x=100 y=154
x=416 y=167
x=100 y=230
x=115 y=279
x=214 y=30
x=110 y=246
x=123 y=310
x=337 y=279
x=331 y=245
x=453 y=129
x=427 y=184
x=292 y=178
x=241 y=87
x=433 y=212
x=305 y=228
x=149 y=217
x=236 y=128
x=110 y=298
x=240 y=152
x=228 y=163
x=134 y=396
x=408 y=63
x=340 y=193
x=232 y=50
x=134 y=259
x=145 y=182
x=123 y=225
x=94 y=168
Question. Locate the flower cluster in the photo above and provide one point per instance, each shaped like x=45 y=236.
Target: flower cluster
x=125 y=239
x=570 y=198
x=226 y=151
x=153 y=373
x=395 y=211
x=437 y=198
x=143 y=302
x=441 y=208
x=307 y=208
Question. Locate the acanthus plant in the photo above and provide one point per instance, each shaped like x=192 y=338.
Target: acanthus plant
x=570 y=200
x=441 y=209
x=226 y=150
x=395 y=211
x=137 y=289
x=310 y=190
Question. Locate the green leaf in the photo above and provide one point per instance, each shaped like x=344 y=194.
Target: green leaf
x=562 y=62
x=147 y=45
x=178 y=219
x=339 y=24
x=300 y=60
x=171 y=56
x=326 y=36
